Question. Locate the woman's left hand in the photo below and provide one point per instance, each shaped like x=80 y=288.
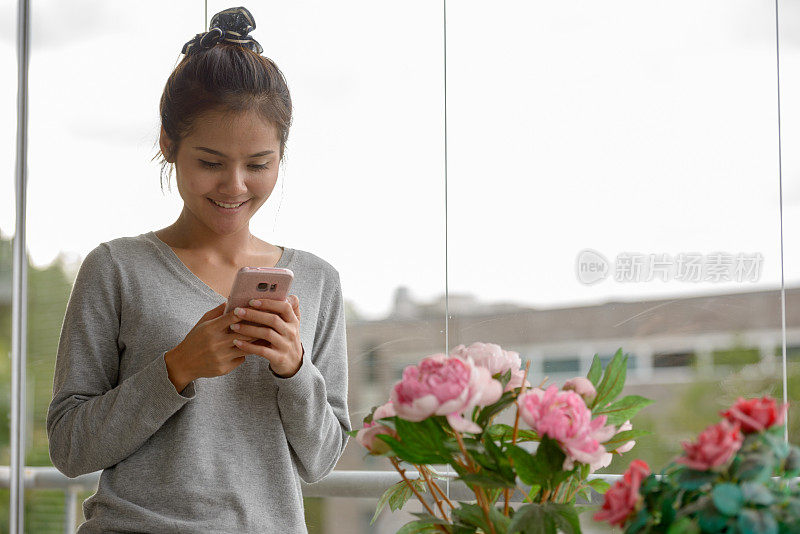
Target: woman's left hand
x=278 y=340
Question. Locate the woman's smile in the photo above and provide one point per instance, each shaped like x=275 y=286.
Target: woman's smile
x=227 y=210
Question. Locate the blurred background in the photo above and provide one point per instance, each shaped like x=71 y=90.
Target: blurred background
x=612 y=182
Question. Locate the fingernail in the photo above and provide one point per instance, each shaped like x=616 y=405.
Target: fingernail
x=239 y=311
x=254 y=302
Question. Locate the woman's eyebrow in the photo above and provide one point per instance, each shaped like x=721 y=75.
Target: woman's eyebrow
x=216 y=152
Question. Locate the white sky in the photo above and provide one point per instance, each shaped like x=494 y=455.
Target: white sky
x=620 y=126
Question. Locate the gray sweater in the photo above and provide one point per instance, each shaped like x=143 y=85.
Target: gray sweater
x=226 y=454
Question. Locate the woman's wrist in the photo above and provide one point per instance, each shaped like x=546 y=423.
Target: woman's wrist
x=175 y=371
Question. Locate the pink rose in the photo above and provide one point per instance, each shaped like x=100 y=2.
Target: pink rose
x=443 y=385
x=583 y=387
x=621 y=498
x=564 y=417
x=367 y=435
x=494 y=358
x=714 y=447
x=755 y=415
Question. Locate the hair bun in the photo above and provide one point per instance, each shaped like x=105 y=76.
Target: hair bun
x=231 y=25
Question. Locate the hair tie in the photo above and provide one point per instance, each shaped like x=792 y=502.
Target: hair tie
x=231 y=25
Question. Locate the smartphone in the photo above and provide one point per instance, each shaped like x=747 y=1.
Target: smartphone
x=259 y=283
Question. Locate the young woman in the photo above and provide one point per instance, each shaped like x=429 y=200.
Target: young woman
x=203 y=421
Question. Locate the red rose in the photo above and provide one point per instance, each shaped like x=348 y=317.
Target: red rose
x=755 y=415
x=714 y=447
x=621 y=498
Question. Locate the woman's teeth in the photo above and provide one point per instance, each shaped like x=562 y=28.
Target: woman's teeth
x=228 y=206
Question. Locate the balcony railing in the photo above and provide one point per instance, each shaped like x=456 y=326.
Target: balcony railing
x=339 y=483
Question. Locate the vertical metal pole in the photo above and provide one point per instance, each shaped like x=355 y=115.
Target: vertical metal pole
x=20 y=282
x=780 y=205
x=446 y=254
x=70 y=503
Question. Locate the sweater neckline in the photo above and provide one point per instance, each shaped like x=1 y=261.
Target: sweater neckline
x=283 y=262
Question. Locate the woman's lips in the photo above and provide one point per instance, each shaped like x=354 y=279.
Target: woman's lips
x=228 y=210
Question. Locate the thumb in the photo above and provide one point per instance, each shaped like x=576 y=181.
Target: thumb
x=295 y=302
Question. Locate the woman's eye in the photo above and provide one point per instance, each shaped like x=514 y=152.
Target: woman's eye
x=214 y=165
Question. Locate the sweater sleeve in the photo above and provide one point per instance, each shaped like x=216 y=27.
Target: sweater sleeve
x=93 y=422
x=313 y=402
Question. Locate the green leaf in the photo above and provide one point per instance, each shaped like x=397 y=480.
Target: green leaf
x=624 y=409
x=352 y=433
x=487 y=479
x=622 y=438
x=757 y=522
x=529 y=518
x=689 y=479
x=639 y=521
x=399 y=499
x=792 y=463
x=398 y=494
x=489 y=411
x=506 y=432
x=564 y=517
x=410 y=455
x=418 y=527
x=599 y=485
x=528 y=469
x=595 y=371
x=533 y=491
x=430 y=518
x=385 y=498
x=757 y=494
x=711 y=520
x=684 y=525
x=504 y=379
x=727 y=498
x=501 y=460
x=423 y=436
x=613 y=380
x=550 y=455
x=755 y=467
x=472 y=514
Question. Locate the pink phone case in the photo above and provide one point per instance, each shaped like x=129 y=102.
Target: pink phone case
x=259 y=283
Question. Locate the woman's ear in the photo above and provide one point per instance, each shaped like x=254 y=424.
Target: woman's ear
x=166 y=146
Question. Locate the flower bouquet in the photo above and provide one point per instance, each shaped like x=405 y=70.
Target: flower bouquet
x=737 y=477
x=442 y=412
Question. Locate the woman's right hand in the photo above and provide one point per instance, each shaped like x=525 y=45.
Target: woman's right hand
x=207 y=350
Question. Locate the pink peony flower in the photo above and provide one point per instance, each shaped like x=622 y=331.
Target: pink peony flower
x=443 y=385
x=621 y=498
x=583 y=387
x=714 y=447
x=628 y=445
x=605 y=460
x=494 y=358
x=755 y=415
x=564 y=417
x=367 y=435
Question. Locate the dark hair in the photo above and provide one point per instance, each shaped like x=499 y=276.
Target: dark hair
x=225 y=77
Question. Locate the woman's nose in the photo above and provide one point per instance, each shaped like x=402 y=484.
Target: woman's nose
x=234 y=182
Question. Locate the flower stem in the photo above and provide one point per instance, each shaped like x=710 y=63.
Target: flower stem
x=424 y=472
x=480 y=496
x=402 y=472
x=557 y=491
x=437 y=488
x=506 y=491
x=545 y=495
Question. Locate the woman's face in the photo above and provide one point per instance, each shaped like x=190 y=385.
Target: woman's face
x=227 y=158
